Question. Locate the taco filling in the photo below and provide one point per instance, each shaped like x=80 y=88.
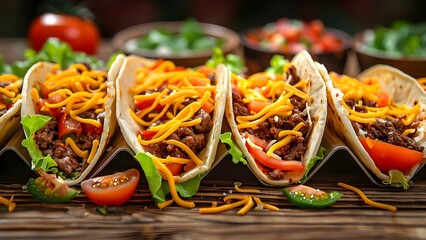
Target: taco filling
x=75 y=100
x=10 y=91
x=174 y=108
x=272 y=116
x=374 y=115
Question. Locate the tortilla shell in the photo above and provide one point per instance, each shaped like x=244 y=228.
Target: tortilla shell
x=307 y=70
x=37 y=73
x=129 y=127
x=9 y=122
x=402 y=89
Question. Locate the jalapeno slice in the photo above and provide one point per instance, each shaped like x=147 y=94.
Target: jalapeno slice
x=50 y=189
x=307 y=197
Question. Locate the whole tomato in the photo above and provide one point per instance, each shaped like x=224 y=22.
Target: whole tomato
x=81 y=34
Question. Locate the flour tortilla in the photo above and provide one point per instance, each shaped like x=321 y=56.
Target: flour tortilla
x=402 y=89
x=37 y=73
x=9 y=122
x=129 y=127
x=317 y=101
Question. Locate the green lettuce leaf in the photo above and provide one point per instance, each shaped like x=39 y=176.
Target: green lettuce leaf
x=277 y=64
x=31 y=124
x=397 y=178
x=319 y=157
x=237 y=155
x=160 y=188
x=152 y=176
x=232 y=61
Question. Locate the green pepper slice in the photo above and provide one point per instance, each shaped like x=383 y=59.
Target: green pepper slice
x=50 y=189
x=307 y=197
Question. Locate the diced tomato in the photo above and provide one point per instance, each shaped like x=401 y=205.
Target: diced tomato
x=207 y=71
x=68 y=125
x=316 y=27
x=387 y=156
x=189 y=166
x=44 y=90
x=174 y=168
x=142 y=104
x=89 y=128
x=383 y=99
x=53 y=112
x=197 y=81
x=208 y=107
x=147 y=134
x=272 y=162
x=330 y=42
x=257 y=106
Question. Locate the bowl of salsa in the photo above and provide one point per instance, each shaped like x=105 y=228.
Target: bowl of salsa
x=290 y=36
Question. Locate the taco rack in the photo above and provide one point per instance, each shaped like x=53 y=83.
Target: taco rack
x=15 y=162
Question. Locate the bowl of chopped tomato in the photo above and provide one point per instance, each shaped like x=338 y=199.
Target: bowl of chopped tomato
x=289 y=36
x=401 y=45
x=187 y=43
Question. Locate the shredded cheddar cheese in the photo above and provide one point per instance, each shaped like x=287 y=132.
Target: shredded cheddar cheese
x=166 y=99
x=10 y=90
x=9 y=203
x=73 y=91
x=367 y=200
x=246 y=200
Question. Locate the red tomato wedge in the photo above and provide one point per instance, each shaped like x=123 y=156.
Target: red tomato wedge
x=388 y=157
x=68 y=125
x=272 y=162
x=111 y=190
x=257 y=106
x=174 y=168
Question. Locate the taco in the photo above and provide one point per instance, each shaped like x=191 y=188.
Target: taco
x=10 y=105
x=381 y=117
x=171 y=117
x=68 y=117
x=277 y=118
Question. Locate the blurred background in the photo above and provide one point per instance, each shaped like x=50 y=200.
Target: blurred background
x=114 y=15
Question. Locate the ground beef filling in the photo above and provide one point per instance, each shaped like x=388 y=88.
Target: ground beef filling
x=194 y=137
x=269 y=130
x=386 y=130
x=49 y=143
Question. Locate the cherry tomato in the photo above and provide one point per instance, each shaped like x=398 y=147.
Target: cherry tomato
x=111 y=190
x=388 y=157
x=272 y=162
x=68 y=125
x=81 y=34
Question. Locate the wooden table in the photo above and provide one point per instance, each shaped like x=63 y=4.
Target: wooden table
x=349 y=218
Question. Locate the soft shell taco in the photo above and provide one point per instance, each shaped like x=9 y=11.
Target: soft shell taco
x=68 y=116
x=10 y=105
x=381 y=116
x=171 y=117
x=277 y=118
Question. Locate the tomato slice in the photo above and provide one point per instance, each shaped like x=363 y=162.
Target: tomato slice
x=142 y=104
x=68 y=125
x=272 y=162
x=388 y=157
x=257 y=141
x=111 y=190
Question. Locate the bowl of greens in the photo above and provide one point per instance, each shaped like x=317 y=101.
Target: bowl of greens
x=188 y=43
x=401 y=45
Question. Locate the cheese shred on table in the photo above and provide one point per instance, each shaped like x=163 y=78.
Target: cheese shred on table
x=165 y=88
x=79 y=90
x=236 y=200
x=366 y=199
